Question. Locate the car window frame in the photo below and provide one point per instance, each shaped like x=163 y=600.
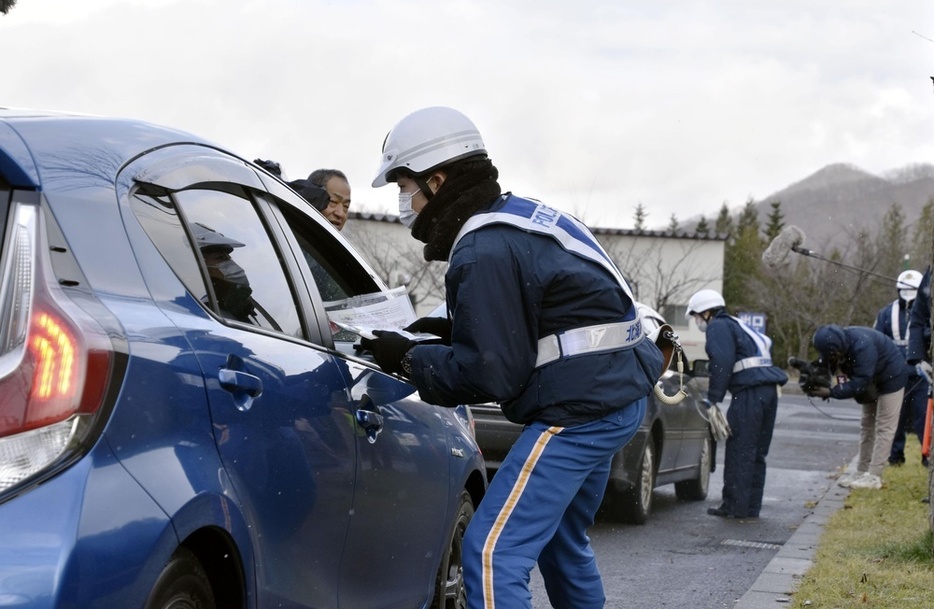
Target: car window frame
x=191 y=165
x=287 y=234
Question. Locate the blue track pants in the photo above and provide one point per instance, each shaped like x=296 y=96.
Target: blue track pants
x=538 y=508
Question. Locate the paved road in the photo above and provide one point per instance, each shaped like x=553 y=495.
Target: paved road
x=684 y=558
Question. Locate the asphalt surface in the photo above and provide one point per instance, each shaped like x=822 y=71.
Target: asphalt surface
x=683 y=557
x=781 y=575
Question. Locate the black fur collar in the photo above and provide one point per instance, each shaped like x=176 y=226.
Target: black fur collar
x=470 y=187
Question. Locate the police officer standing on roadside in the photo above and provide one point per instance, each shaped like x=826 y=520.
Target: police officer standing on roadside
x=892 y=321
x=539 y=320
x=919 y=333
x=741 y=363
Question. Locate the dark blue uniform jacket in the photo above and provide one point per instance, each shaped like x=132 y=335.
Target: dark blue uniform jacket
x=727 y=343
x=868 y=357
x=884 y=323
x=919 y=337
x=507 y=288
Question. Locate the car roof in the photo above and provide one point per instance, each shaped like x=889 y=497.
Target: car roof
x=33 y=142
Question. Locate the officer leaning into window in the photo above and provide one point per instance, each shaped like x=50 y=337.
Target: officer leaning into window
x=540 y=321
x=741 y=362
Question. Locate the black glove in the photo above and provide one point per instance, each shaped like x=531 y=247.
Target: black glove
x=439 y=326
x=388 y=349
x=271 y=166
x=820 y=392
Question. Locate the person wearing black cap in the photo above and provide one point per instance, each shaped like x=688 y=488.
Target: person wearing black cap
x=539 y=320
x=311 y=191
x=875 y=376
x=314 y=194
x=271 y=166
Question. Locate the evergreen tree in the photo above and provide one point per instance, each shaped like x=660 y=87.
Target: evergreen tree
x=640 y=217
x=920 y=252
x=702 y=228
x=742 y=259
x=673 y=224
x=748 y=217
x=724 y=223
x=893 y=242
x=776 y=221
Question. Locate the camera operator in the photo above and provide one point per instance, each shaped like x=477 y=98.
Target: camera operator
x=875 y=373
x=892 y=321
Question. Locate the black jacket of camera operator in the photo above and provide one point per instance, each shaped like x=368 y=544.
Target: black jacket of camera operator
x=872 y=362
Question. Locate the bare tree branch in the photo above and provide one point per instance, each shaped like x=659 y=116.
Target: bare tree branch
x=400 y=263
x=665 y=271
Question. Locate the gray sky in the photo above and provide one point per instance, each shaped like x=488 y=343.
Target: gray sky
x=591 y=106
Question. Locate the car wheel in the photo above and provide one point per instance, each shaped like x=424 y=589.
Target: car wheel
x=635 y=504
x=183 y=584
x=696 y=490
x=450 y=592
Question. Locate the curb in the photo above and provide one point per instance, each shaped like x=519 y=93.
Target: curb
x=780 y=578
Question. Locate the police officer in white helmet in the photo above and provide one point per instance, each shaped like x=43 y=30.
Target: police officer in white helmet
x=893 y=320
x=741 y=363
x=539 y=320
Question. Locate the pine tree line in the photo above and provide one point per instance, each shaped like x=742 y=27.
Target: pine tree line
x=805 y=292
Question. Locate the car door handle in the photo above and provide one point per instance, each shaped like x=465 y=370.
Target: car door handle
x=243 y=386
x=371 y=422
x=234 y=380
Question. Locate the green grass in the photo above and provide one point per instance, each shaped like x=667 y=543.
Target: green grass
x=876 y=551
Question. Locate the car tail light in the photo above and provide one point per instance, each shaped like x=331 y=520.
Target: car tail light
x=55 y=359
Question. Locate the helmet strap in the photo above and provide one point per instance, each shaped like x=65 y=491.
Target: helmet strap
x=423 y=186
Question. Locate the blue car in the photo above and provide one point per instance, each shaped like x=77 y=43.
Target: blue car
x=179 y=426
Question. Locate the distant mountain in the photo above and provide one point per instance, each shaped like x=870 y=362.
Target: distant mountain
x=840 y=200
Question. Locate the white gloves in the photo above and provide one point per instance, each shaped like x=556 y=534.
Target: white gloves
x=924 y=369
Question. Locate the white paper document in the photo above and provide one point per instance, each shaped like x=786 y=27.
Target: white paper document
x=363 y=314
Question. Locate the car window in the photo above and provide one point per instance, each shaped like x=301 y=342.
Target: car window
x=338 y=275
x=234 y=268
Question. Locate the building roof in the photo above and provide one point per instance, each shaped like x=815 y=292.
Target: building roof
x=619 y=232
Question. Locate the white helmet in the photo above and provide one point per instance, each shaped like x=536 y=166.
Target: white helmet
x=704 y=300
x=427 y=139
x=907 y=285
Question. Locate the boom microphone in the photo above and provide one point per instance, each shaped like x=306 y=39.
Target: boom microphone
x=789 y=239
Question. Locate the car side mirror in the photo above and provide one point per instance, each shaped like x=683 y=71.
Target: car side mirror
x=700 y=368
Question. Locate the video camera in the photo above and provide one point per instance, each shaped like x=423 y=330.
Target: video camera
x=811 y=374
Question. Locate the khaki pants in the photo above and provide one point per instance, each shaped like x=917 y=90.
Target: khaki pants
x=876 y=430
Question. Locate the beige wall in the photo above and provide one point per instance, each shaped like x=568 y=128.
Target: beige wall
x=665 y=271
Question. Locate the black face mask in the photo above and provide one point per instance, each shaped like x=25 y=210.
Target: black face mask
x=232 y=288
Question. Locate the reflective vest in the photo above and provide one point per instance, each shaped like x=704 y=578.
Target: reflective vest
x=576 y=238
x=763 y=345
